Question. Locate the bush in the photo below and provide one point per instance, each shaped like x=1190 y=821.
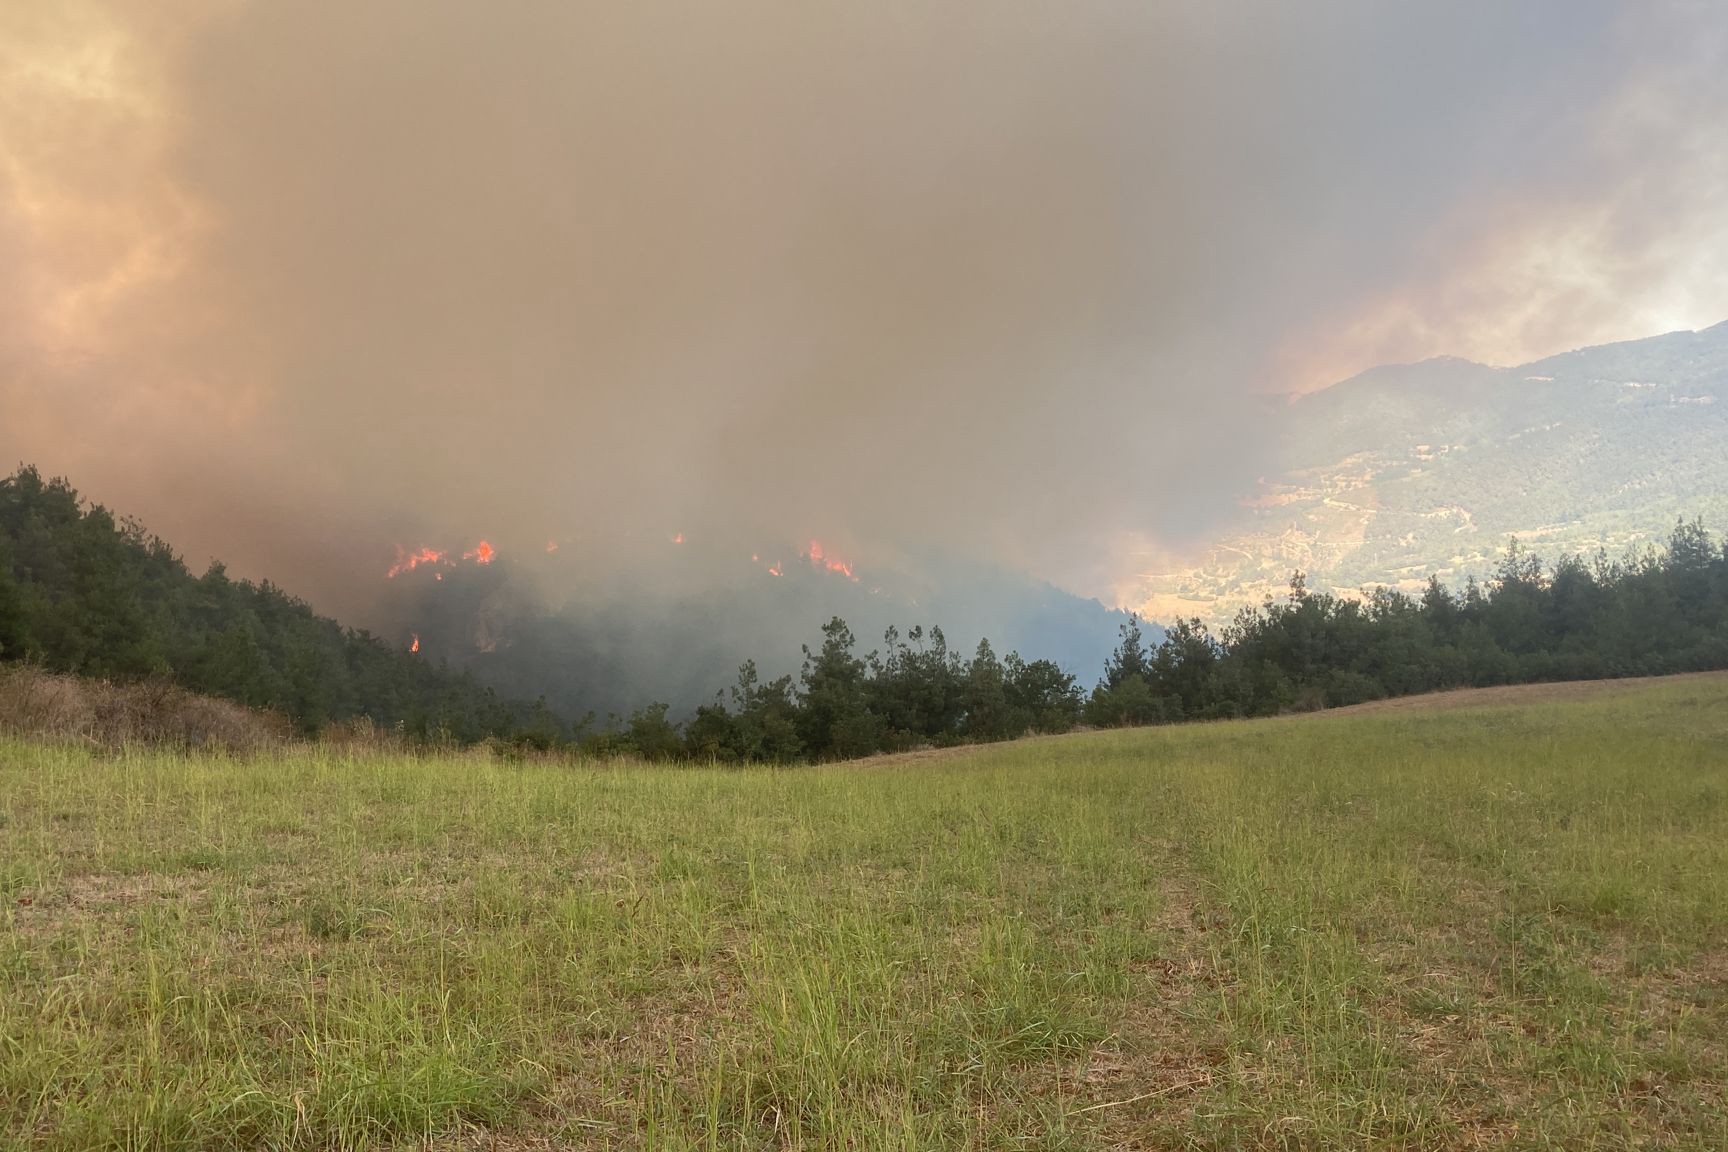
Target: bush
x=56 y=706
x=1343 y=688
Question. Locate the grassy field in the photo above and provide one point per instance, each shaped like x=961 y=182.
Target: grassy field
x=1492 y=924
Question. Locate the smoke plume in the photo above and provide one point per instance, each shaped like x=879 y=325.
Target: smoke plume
x=302 y=283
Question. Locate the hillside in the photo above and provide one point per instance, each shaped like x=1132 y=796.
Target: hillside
x=83 y=592
x=1460 y=928
x=678 y=628
x=1430 y=468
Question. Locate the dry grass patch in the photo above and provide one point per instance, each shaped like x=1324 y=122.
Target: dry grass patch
x=47 y=705
x=1417 y=929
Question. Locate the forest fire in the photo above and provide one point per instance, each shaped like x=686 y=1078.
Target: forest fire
x=481 y=553
x=408 y=561
x=819 y=556
x=414 y=644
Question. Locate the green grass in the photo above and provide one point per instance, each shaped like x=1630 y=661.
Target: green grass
x=1504 y=925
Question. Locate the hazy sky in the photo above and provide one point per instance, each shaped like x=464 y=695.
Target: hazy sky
x=297 y=282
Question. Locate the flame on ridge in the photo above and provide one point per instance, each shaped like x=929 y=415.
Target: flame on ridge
x=408 y=561
x=819 y=556
x=485 y=553
x=481 y=553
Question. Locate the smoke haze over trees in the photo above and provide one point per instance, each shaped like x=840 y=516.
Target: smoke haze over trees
x=300 y=282
x=82 y=592
x=539 y=624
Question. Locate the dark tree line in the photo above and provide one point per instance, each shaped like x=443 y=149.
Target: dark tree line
x=1661 y=611
x=84 y=592
x=1665 y=610
x=912 y=692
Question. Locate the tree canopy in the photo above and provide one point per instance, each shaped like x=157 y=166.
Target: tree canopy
x=86 y=593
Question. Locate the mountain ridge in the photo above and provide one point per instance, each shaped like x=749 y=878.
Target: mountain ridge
x=1407 y=470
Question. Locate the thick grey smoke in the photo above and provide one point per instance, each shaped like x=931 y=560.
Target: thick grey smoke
x=297 y=282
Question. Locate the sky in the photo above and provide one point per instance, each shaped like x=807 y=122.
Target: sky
x=297 y=284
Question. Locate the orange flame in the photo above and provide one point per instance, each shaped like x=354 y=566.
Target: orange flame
x=678 y=539
x=819 y=556
x=414 y=645
x=481 y=553
x=774 y=569
x=408 y=561
x=551 y=546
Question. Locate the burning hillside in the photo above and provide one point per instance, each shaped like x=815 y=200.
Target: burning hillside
x=607 y=623
x=481 y=553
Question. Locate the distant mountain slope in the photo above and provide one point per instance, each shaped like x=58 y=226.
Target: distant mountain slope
x=678 y=631
x=1426 y=468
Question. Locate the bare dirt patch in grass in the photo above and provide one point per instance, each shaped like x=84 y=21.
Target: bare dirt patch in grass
x=100 y=900
x=1142 y=1085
